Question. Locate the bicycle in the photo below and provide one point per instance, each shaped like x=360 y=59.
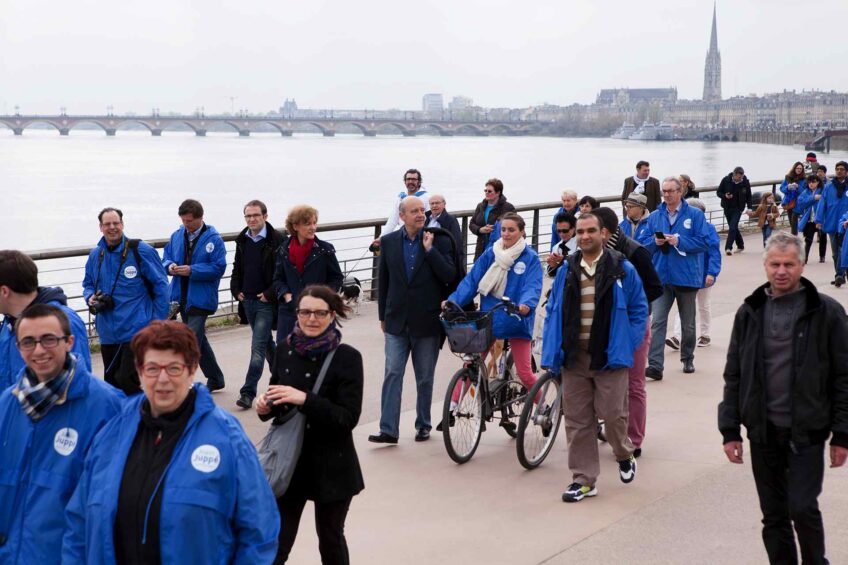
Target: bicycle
x=469 y=337
x=539 y=422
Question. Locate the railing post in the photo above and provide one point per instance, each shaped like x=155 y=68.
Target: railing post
x=375 y=267
x=536 y=229
x=464 y=242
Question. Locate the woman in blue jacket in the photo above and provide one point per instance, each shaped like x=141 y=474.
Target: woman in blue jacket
x=509 y=268
x=171 y=479
x=805 y=208
x=794 y=184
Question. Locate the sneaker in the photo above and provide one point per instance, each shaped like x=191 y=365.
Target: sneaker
x=704 y=341
x=839 y=281
x=673 y=343
x=577 y=492
x=729 y=251
x=627 y=469
x=654 y=374
x=245 y=401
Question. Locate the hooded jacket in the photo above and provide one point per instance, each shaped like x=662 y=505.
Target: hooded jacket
x=217 y=506
x=134 y=306
x=805 y=205
x=208 y=263
x=523 y=286
x=620 y=316
x=42 y=462
x=832 y=206
x=627 y=226
x=11 y=362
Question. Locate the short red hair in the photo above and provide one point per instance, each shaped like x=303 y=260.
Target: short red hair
x=163 y=335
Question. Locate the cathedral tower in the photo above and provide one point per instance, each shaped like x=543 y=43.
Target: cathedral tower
x=712 y=67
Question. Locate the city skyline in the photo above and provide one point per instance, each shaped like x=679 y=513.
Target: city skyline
x=331 y=55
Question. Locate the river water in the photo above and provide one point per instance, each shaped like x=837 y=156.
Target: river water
x=53 y=186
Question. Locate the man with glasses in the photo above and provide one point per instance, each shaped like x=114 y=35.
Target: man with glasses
x=18 y=290
x=125 y=288
x=677 y=237
x=566 y=244
x=635 y=215
x=50 y=417
x=832 y=206
x=252 y=284
x=438 y=217
x=569 y=204
x=412 y=180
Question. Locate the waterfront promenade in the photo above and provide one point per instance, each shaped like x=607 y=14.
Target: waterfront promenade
x=687 y=504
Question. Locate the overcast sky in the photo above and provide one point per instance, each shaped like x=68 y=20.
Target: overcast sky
x=179 y=55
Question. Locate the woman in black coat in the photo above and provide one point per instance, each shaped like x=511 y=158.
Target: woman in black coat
x=302 y=259
x=328 y=470
x=493 y=206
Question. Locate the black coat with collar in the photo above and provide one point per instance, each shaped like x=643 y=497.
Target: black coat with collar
x=328 y=469
x=478 y=220
x=272 y=241
x=414 y=304
x=450 y=224
x=321 y=267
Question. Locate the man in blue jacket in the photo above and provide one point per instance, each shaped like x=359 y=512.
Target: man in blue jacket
x=832 y=206
x=196 y=259
x=569 y=205
x=596 y=317
x=679 y=261
x=18 y=290
x=125 y=287
x=48 y=420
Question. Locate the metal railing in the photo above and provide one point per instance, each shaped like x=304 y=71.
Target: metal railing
x=65 y=266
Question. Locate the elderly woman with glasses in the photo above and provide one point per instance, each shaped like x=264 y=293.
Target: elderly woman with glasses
x=493 y=206
x=327 y=471
x=172 y=478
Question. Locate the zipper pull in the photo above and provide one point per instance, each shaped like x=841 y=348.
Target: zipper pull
x=158 y=438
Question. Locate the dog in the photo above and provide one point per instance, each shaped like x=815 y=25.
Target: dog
x=351 y=292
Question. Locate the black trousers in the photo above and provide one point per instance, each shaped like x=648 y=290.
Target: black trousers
x=789 y=481
x=329 y=523
x=809 y=232
x=119 y=367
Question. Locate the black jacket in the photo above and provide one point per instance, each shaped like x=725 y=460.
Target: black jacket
x=269 y=256
x=328 y=469
x=450 y=224
x=820 y=372
x=652 y=191
x=741 y=193
x=478 y=221
x=642 y=261
x=414 y=305
x=321 y=267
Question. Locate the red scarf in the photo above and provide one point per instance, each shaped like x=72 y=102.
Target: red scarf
x=298 y=253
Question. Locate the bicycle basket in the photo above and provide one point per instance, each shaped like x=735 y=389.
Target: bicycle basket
x=468 y=332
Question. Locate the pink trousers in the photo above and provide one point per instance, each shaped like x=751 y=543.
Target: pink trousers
x=521 y=351
x=636 y=396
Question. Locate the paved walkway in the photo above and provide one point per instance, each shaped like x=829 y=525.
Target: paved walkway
x=687 y=504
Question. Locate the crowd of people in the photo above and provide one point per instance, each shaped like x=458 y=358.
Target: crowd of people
x=144 y=463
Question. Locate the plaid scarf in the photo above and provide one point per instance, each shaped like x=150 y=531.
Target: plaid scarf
x=306 y=345
x=37 y=399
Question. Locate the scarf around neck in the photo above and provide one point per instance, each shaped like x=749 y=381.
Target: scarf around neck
x=37 y=398
x=640 y=185
x=305 y=345
x=494 y=281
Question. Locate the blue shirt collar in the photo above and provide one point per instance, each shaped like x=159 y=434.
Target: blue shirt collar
x=263 y=233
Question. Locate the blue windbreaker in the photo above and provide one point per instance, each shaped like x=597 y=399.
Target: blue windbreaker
x=627 y=327
x=41 y=464
x=11 y=362
x=523 y=286
x=134 y=307
x=682 y=265
x=217 y=506
x=627 y=227
x=712 y=258
x=831 y=208
x=208 y=263
x=790 y=195
x=805 y=205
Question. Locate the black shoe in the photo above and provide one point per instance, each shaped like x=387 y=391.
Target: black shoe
x=637 y=453
x=245 y=401
x=451 y=422
x=839 y=281
x=688 y=367
x=214 y=388
x=422 y=435
x=382 y=437
x=655 y=374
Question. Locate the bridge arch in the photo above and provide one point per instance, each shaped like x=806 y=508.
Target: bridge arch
x=392 y=128
x=102 y=126
x=502 y=129
x=476 y=130
x=29 y=123
x=123 y=123
x=320 y=126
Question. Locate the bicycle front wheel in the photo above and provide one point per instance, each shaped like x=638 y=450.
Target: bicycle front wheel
x=539 y=421
x=462 y=425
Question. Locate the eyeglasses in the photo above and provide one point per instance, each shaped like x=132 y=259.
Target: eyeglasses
x=408 y=179
x=670 y=190
x=319 y=314
x=252 y=216
x=47 y=341
x=112 y=224
x=567 y=230
x=171 y=369
x=487 y=191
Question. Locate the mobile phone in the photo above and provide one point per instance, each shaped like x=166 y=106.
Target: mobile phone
x=659 y=235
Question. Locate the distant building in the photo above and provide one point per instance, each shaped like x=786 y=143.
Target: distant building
x=289 y=108
x=630 y=96
x=460 y=103
x=433 y=104
x=712 y=67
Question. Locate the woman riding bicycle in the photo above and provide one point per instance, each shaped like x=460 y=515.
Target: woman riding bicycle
x=509 y=268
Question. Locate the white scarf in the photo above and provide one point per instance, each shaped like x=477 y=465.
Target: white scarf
x=494 y=281
x=640 y=185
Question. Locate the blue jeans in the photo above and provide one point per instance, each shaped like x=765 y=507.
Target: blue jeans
x=660 y=309
x=733 y=233
x=425 y=353
x=836 y=249
x=767 y=229
x=260 y=316
x=208 y=363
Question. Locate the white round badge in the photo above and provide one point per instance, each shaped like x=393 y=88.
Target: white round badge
x=519 y=268
x=130 y=272
x=206 y=458
x=65 y=441
x=687 y=223
x=210 y=247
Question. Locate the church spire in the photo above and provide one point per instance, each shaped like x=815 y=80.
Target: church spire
x=712 y=66
x=714 y=34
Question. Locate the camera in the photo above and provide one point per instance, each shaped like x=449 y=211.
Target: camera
x=102 y=303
